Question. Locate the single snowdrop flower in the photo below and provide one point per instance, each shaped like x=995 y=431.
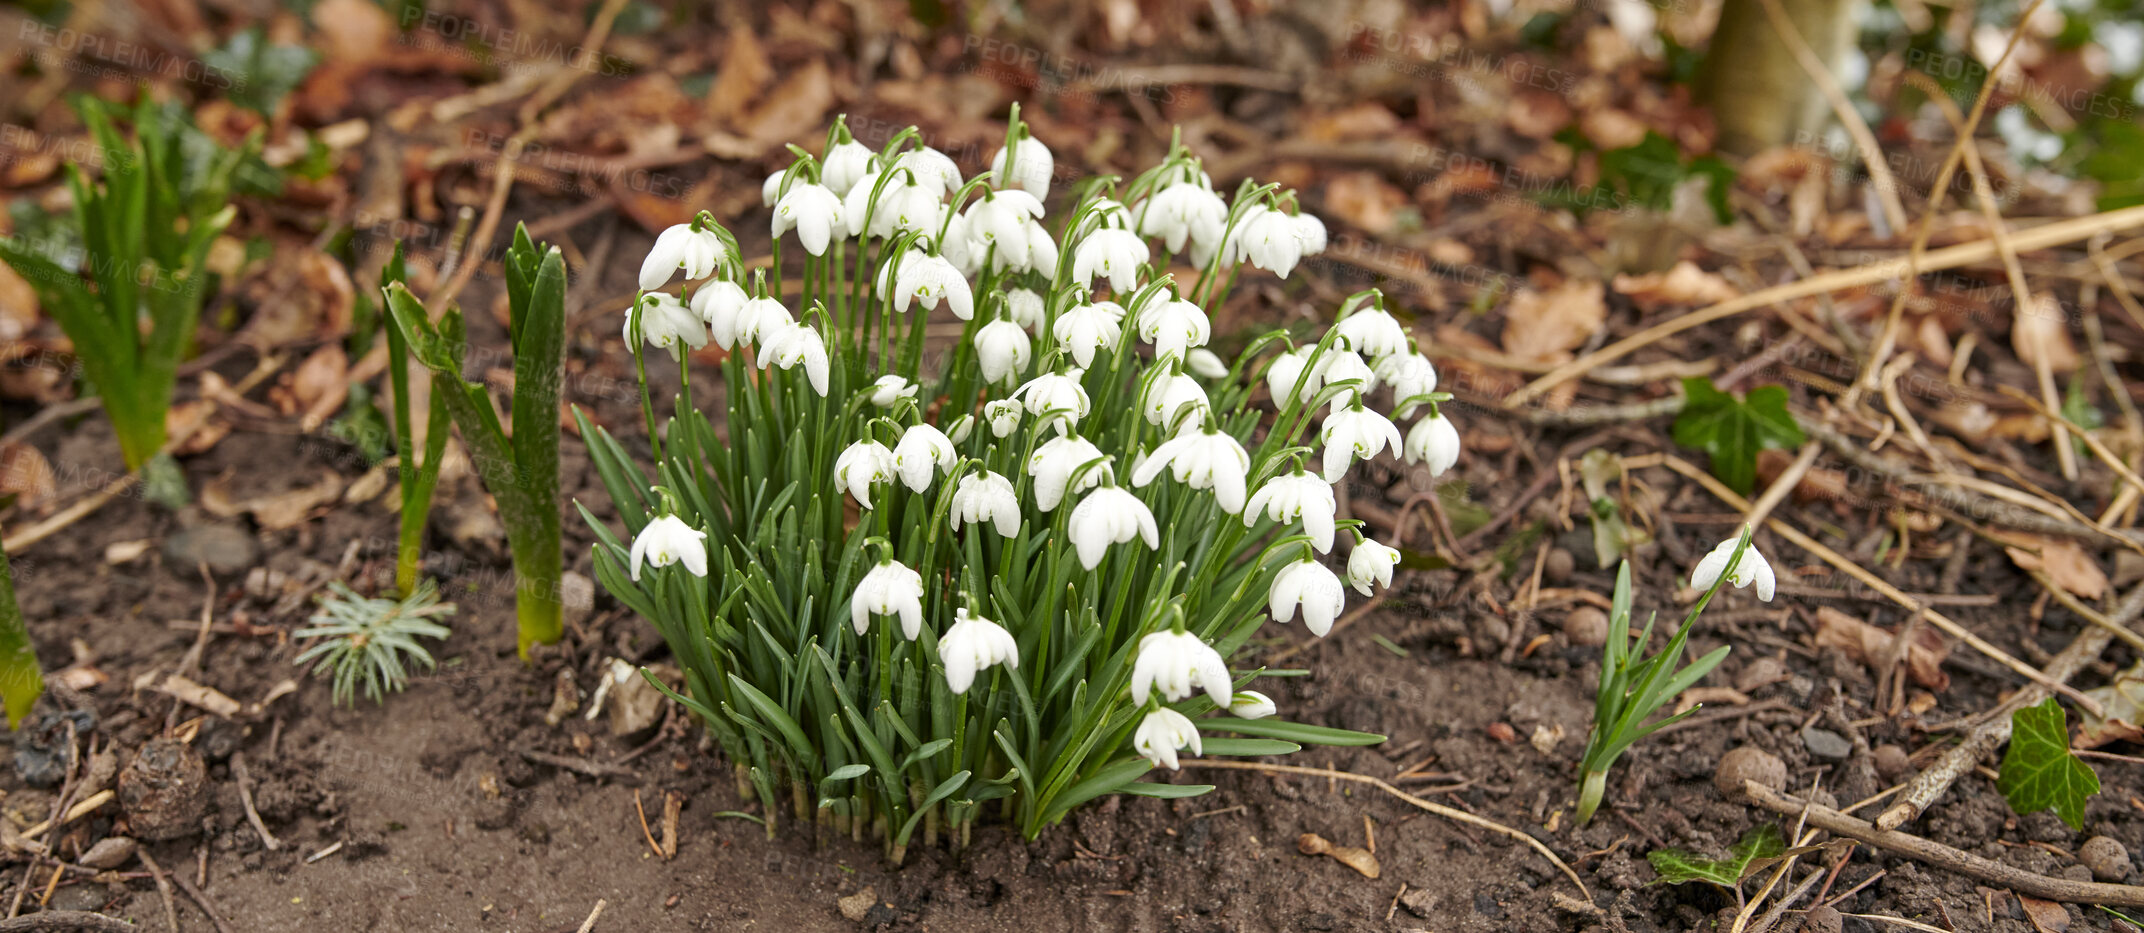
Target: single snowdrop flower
x=1003 y=415
x=1298 y=495
x=668 y=540
x=972 y=644
x=1268 y=240
x=1339 y=365
x=957 y=248
x=863 y=465
x=890 y=389
x=1161 y=733
x=961 y=429
x=1206 y=364
x=1410 y=375
x=1038 y=255
x=793 y=343
x=928 y=280
x=1084 y=329
x=1309 y=231
x=1352 y=434
x=1752 y=568
x=1179 y=664
x=1026 y=309
x=987 y=497
x=1032 y=166
x=1250 y=704
x=846 y=164
x=1183 y=211
x=933 y=169
x=1433 y=441
x=1000 y=218
x=686 y=246
x=770 y=191
x=1107 y=212
x=1371 y=563
x=922 y=449
x=1173 y=326
x=1168 y=395
x=890 y=588
x=903 y=204
x=1309 y=585
x=1374 y=332
x=760 y=318
x=1059 y=392
x=1286 y=371
x=1202 y=460
x=1002 y=350
x=816 y=213
x=1107 y=516
x=1053 y=463
x=720 y=299
x=1114 y=254
x=665 y=322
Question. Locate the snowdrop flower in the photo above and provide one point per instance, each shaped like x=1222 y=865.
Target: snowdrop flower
x=758 y=319
x=1183 y=211
x=1306 y=583
x=1059 y=392
x=1179 y=664
x=1435 y=442
x=922 y=448
x=816 y=213
x=665 y=322
x=1083 y=329
x=1003 y=415
x=718 y=299
x=668 y=540
x=987 y=497
x=1167 y=395
x=1352 y=434
x=1309 y=231
x=1298 y=495
x=794 y=343
x=1202 y=460
x=1250 y=704
x=1001 y=218
x=1371 y=563
x=1410 y=374
x=890 y=389
x=1173 y=326
x=933 y=169
x=1107 y=516
x=1206 y=364
x=971 y=644
x=1339 y=365
x=961 y=429
x=928 y=280
x=846 y=164
x=890 y=588
x=1267 y=238
x=698 y=251
x=1107 y=212
x=1038 y=255
x=1026 y=309
x=1375 y=332
x=1114 y=254
x=903 y=204
x=863 y=465
x=1032 y=166
x=1752 y=568
x=770 y=191
x=1161 y=733
x=1286 y=370
x=1002 y=350
x=957 y=248
x=1053 y=463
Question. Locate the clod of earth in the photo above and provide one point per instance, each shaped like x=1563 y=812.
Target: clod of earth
x=1748 y=763
x=42 y=752
x=164 y=791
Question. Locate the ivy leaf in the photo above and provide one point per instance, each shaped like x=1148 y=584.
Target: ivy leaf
x=1733 y=430
x=2039 y=770
x=1675 y=866
x=256 y=73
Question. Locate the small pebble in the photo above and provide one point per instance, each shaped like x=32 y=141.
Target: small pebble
x=1759 y=673
x=1558 y=565
x=1748 y=763
x=1586 y=626
x=1892 y=763
x=2106 y=857
x=857 y=906
x=1822 y=920
x=1824 y=743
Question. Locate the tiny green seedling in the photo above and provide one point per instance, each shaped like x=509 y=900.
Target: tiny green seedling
x=365 y=641
x=21 y=681
x=2039 y=770
x=418 y=477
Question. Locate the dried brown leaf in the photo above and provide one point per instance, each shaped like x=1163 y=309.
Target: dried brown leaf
x=1685 y=285
x=1872 y=646
x=795 y=109
x=2043 y=334
x=1547 y=325
x=743 y=76
x=2063 y=560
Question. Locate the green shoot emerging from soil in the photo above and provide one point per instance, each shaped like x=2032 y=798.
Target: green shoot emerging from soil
x=20 y=680
x=364 y=641
x=418 y=477
x=1632 y=688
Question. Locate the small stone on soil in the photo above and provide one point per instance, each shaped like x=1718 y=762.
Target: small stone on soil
x=1822 y=920
x=1824 y=743
x=1748 y=763
x=109 y=852
x=1586 y=626
x=1759 y=673
x=1419 y=902
x=165 y=790
x=226 y=549
x=1892 y=763
x=1557 y=567
x=857 y=906
x=2106 y=857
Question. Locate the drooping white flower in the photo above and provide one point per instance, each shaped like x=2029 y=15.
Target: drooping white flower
x=1371 y=563
x=1352 y=434
x=1267 y=238
x=665 y=322
x=1003 y=415
x=1179 y=664
x=1250 y=704
x=1167 y=396
x=1161 y=733
x=1202 y=460
x=816 y=213
x=1286 y=370
x=890 y=588
x=987 y=497
x=793 y=343
x=1058 y=392
x=1298 y=495
x=1752 y=568
x=1435 y=442
x=770 y=190
x=1084 y=329
x=890 y=389
x=1410 y=375
x=1309 y=231
x=863 y=465
x=921 y=450
x=698 y=252
x=1183 y=211
x=1107 y=212
x=928 y=280
x=718 y=300
x=1339 y=365
x=1040 y=254
x=1309 y=585
x=903 y=204
x=1026 y=309
x=961 y=429
x=1032 y=166
x=1002 y=350
x=1000 y=218
x=758 y=319
x=1107 y=516
x=668 y=540
x=1053 y=463
x=1374 y=332
x=1206 y=364
x=845 y=164
x=1115 y=255
x=957 y=248
x=1173 y=326
x=972 y=644
x=933 y=169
